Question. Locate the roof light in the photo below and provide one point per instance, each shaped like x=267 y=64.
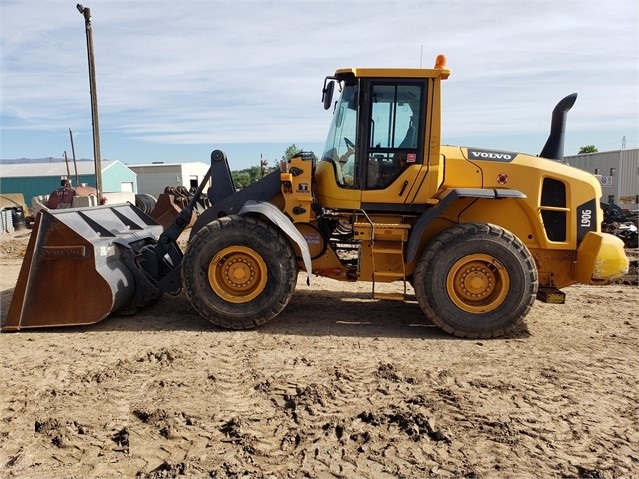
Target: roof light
x=440 y=62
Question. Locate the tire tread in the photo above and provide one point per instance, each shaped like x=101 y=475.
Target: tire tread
x=193 y=277
x=467 y=231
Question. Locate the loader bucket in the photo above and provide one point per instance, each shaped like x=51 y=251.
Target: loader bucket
x=79 y=266
x=170 y=203
x=167 y=208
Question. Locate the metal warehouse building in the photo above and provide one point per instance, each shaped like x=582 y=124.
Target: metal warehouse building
x=153 y=178
x=618 y=171
x=34 y=179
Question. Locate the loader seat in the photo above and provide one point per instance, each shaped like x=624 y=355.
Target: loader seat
x=392 y=163
x=409 y=139
x=409 y=142
x=372 y=173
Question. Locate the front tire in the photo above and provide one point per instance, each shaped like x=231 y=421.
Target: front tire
x=239 y=272
x=476 y=280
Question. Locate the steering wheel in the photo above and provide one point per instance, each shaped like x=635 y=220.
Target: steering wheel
x=349 y=143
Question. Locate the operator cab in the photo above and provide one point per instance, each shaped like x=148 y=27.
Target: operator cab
x=393 y=130
x=379 y=137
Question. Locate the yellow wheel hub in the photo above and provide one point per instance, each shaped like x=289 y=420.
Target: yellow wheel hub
x=478 y=283
x=237 y=274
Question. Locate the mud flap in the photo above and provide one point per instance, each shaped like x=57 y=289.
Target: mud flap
x=80 y=266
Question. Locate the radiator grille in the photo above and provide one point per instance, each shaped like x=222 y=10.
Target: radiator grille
x=553 y=209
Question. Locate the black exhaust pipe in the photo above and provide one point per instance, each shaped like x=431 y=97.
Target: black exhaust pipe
x=554 y=147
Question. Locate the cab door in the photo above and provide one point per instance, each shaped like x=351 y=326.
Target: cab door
x=392 y=129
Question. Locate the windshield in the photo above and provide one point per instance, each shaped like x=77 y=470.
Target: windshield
x=340 y=142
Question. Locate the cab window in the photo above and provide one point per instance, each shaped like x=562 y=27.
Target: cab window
x=339 y=148
x=396 y=127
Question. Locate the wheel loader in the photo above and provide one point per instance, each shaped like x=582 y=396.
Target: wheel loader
x=478 y=233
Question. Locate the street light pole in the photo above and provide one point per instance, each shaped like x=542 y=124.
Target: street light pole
x=86 y=12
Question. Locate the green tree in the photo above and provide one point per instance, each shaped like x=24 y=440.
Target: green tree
x=241 y=179
x=255 y=173
x=587 y=149
x=291 y=151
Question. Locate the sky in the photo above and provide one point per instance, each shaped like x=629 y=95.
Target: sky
x=178 y=79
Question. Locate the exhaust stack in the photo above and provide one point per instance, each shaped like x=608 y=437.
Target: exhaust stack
x=554 y=147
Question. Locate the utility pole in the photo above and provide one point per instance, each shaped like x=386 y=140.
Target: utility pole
x=86 y=12
x=75 y=165
x=620 y=176
x=66 y=162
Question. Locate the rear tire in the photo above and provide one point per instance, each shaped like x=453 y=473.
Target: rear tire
x=476 y=280
x=239 y=272
x=631 y=240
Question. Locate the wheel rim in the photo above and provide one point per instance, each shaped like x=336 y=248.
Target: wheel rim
x=478 y=283
x=237 y=274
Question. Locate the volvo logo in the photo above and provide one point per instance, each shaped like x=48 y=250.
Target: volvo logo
x=491 y=155
x=62 y=252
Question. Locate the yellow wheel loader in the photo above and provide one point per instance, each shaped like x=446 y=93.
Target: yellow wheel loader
x=478 y=233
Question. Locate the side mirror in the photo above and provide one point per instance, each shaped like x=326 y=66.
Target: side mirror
x=327 y=94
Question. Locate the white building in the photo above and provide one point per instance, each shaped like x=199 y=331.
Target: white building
x=618 y=171
x=153 y=178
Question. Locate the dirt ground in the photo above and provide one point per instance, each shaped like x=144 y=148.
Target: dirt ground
x=337 y=386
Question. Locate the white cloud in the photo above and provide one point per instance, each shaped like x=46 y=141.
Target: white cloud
x=251 y=71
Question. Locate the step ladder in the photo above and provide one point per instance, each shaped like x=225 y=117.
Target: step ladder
x=396 y=249
x=387 y=243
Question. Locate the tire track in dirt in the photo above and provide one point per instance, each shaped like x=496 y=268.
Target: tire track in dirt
x=334 y=387
x=310 y=418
